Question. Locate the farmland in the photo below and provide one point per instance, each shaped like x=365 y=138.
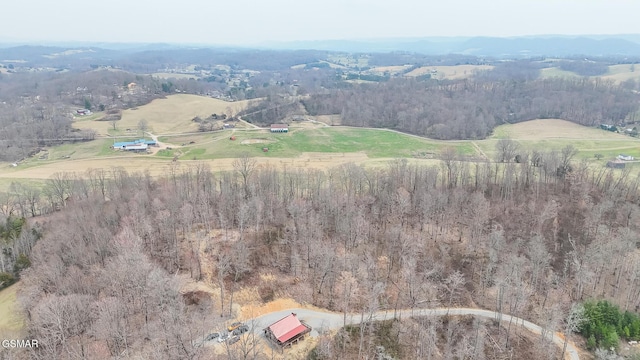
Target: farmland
x=556 y=134
x=374 y=143
x=314 y=146
x=172 y=114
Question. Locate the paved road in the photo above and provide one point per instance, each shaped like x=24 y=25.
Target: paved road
x=322 y=321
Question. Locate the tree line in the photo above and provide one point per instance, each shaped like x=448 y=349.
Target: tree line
x=470 y=109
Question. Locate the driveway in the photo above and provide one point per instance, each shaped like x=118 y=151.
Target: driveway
x=321 y=321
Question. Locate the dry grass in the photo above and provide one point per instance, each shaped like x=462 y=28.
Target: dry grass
x=555 y=134
x=161 y=167
x=618 y=73
x=11 y=322
x=155 y=166
x=622 y=72
x=553 y=129
x=450 y=72
x=170 y=115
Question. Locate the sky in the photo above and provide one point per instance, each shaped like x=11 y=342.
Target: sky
x=254 y=22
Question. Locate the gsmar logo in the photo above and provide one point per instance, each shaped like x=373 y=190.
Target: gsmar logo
x=19 y=344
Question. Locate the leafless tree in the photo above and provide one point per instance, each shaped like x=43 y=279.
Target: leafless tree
x=245 y=165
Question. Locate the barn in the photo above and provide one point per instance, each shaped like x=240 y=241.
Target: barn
x=136 y=145
x=287 y=331
x=279 y=128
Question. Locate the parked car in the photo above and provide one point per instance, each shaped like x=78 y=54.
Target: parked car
x=212 y=336
x=232 y=340
x=234 y=326
x=223 y=338
x=240 y=330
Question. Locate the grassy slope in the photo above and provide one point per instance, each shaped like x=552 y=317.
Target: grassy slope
x=617 y=73
x=556 y=134
x=172 y=114
x=10 y=321
x=374 y=143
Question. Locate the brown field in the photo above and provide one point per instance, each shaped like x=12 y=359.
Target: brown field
x=622 y=72
x=618 y=73
x=554 y=129
x=158 y=167
x=170 y=115
x=450 y=72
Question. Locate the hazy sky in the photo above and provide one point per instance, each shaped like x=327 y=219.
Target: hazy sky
x=250 y=22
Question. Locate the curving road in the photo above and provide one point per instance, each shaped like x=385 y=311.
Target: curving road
x=322 y=321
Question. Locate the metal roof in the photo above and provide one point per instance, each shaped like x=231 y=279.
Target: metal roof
x=287 y=327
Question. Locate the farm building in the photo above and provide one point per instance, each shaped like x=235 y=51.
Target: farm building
x=140 y=144
x=279 y=128
x=287 y=331
x=625 y=157
x=136 y=147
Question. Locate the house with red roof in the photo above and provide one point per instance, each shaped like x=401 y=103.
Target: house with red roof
x=287 y=331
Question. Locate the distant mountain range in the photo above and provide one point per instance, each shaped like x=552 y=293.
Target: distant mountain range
x=65 y=53
x=526 y=46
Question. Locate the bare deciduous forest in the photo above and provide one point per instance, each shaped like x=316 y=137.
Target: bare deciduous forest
x=470 y=109
x=521 y=239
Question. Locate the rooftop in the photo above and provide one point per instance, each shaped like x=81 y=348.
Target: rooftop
x=287 y=327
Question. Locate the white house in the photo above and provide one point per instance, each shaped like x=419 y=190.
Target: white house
x=625 y=157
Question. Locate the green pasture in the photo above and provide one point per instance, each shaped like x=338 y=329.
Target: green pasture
x=373 y=142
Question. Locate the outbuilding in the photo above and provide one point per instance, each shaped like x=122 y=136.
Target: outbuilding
x=279 y=128
x=287 y=331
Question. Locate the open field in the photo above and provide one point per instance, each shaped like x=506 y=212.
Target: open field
x=374 y=143
x=618 y=73
x=556 y=134
x=172 y=114
x=556 y=72
x=11 y=323
x=449 y=72
x=318 y=147
x=622 y=72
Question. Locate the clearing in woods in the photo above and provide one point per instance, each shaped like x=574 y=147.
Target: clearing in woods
x=11 y=323
x=170 y=115
x=618 y=73
x=449 y=72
